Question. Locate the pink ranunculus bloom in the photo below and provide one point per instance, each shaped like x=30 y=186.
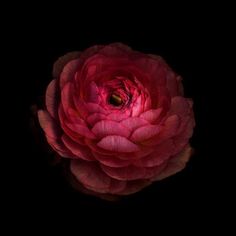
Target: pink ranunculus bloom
x=119 y=116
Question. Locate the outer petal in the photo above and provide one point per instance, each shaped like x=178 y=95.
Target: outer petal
x=176 y=164
x=93 y=178
x=52 y=98
x=48 y=124
x=62 y=61
x=161 y=153
x=132 y=172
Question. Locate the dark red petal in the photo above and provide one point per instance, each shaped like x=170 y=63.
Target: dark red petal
x=78 y=150
x=81 y=130
x=48 y=124
x=111 y=161
x=52 y=98
x=179 y=106
x=62 y=61
x=90 y=175
x=95 y=117
x=172 y=84
x=132 y=172
x=66 y=97
x=176 y=164
x=69 y=72
x=134 y=186
x=168 y=130
x=161 y=153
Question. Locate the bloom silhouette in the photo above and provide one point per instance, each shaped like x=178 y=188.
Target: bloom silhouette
x=119 y=116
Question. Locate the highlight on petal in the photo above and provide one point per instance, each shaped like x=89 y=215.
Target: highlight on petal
x=108 y=127
x=117 y=143
x=48 y=124
x=133 y=123
x=137 y=106
x=52 y=98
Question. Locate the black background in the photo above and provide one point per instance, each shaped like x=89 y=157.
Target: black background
x=191 y=45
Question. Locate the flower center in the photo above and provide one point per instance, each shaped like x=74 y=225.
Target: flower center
x=115 y=100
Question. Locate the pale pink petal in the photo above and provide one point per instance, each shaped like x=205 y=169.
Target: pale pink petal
x=117 y=144
x=144 y=133
x=176 y=164
x=78 y=150
x=134 y=122
x=48 y=124
x=108 y=127
x=151 y=115
x=117 y=116
x=52 y=98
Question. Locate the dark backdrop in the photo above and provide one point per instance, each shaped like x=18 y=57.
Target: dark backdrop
x=188 y=47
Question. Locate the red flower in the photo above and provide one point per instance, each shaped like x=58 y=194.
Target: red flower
x=119 y=116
